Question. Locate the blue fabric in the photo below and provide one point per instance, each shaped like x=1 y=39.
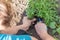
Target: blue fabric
x=14 y=37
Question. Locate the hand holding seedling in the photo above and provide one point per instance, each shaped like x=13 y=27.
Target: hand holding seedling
x=27 y=22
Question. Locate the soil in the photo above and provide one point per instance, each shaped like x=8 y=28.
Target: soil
x=33 y=33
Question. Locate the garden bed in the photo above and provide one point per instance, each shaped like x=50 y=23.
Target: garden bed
x=48 y=14
x=47 y=10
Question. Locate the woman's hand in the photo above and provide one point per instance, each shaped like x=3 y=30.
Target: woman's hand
x=27 y=23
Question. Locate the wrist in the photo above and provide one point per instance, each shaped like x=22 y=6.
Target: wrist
x=46 y=36
x=43 y=35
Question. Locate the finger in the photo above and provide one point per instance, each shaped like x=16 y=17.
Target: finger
x=33 y=20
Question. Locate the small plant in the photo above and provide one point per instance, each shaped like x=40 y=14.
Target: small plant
x=47 y=10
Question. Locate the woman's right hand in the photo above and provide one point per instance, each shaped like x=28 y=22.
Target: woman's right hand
x=27 y=22
x=41 y=29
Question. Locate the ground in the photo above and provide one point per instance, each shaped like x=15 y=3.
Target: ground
x=32 y=31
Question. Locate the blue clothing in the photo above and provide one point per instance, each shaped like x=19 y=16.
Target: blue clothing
x=14 y=37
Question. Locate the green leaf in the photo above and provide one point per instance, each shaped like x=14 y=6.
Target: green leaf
x=58 y=30
x=52 y=25
x=53 y=32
